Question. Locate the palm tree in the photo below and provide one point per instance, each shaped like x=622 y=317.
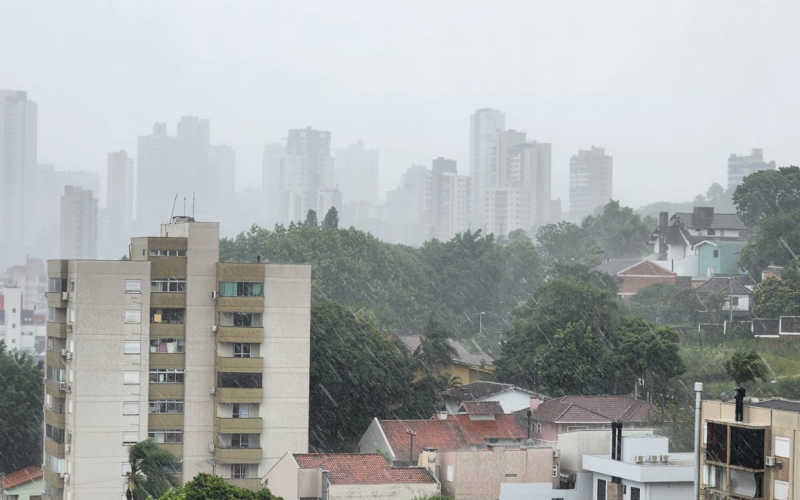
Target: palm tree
x=745 y=366
x=151 y=471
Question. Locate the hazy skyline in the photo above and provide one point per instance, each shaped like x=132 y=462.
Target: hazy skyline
x=669 y=92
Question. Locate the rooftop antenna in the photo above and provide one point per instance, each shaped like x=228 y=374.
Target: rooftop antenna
x=172 y=214
x=184 y=206
x=194 y=199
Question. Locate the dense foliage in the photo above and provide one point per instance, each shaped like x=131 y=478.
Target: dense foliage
x=208 y=487
x=779 y=297
x=21 y=401
x=746 y=366
x=775 y=241
x=664 y=303
x=768 y=193
x=151 y=470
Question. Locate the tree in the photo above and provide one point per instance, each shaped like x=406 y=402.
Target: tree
x=745 y=366
x=619 y=231
x=21 y=401
x=594 y=257
x=582 y=274
x=779 y=297
x=207 y=487
x=767 y=193
x=357 y=374
x=564 y=242
x=311 y=218
x=435 y=350
x=776 y=242
x=650 y=355
x=664 y=303
x=331 y=220
x=152 y=470
x=575 y=362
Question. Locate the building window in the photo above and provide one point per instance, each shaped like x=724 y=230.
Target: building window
x=126 y=468
x=55 y=464
x=241 y=350
x=241 y=410
x=168 y=285
x=167 y=346
x=239 y=380
x=129 y=438
x=172 y=406
x=240 y=471
x=166 y=376
x=132 y=347
x=57 y=285
x=131 y=378
x=167 y=253
x=130 y=408
x=712 y=232
x=241 y=288
x=636 y=493
x=174 y=316
x=71 y=315
x=56 y=374
x=240 y=440
x=735 y=300
x=133 y=286
x=241 y=319
x=51 y=314
x=166 y=436
x=717 y=442
x=716 y=254
x=54 y=434
x=133 y=317
x=601 y=489
x=782 y=447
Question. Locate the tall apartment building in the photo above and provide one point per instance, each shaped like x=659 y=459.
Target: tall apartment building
x=222 y=161
x=357 y=173
x=18 y=140
x=194 y=143
x=486 y=130
x=119 y=190
x=741 y=166
x=439 y=167
x=271 y=190
x=78 y=224
x=209 y=359
x=507 y=209
x=328 y=198
x=590 y=181
x=306 y=168
x=454 y=205
x=158 y=177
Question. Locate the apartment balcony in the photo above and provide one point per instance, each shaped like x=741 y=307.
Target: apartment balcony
x=251 y=335
x=167 y=330
x=174 y=448
x=235 y=395
x=251 y=483
x=57 y=330
x=55 y=418
x=240 y=304
x=165 y=421
x=240 y=365
x=166 y=391
x=238 y=425
x=168 y=266
x=53 y=358
x=53 y=478
x=53 y=388
x=167 y=300
x=53 y=448
x=238 y=455
x=56 y=299
x=162 y=360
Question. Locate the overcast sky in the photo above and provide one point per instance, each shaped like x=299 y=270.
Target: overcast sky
x=670 y=89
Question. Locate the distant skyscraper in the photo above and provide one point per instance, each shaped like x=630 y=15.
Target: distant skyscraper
x=507 y=209
x=408 y=206
x=158 y=178
x=271 y=191
x=78 y=224
x=357 y=173
x=193 y=163
x=222 y=160
x=590 y=181
x=306 y=167
x=454 y=205
x=119 y=191
x=741 y=166
x=328 y=198
x=485 y=149
x=18 y=140
x=529 y=167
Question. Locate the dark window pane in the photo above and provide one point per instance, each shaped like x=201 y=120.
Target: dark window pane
x=717 y=443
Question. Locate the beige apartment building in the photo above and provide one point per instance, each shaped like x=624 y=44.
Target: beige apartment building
x=209 y=359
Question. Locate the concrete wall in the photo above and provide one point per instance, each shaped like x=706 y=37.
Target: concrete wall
x=283 y=479
x=374 y=441
x=573 y=445
x=381 y=491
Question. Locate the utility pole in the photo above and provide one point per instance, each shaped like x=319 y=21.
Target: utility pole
x=698 y=391
x=411 y=448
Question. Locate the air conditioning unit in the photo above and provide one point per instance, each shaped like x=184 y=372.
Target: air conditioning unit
x=214 y=328
x=64 y=352
x=213 y=390
x=68 y=356
x=62 y=386
x=639 y=459
x=556 y=453
x=215 y=294
x=770 y=461
x=67 y=448
x=654 y=459
x=62 y=474
x=68 y=388
x=69 y=328
x=211 y=448
x=64 y=295
x=66 y=478
x=665 y=459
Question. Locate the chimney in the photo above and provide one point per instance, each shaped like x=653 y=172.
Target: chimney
x=535 y=402
x=739 y=397
x=427 y=459
x=441 y=415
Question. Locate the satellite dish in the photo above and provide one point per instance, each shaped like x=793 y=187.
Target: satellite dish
x=724 y=397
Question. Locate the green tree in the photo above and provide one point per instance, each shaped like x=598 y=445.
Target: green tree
x=311 y=218
x=768 y=193
x=435 y=348
x=594 y=257
x=21 y=401
x=619 y=231
x=151 y=470
x=779 y=297
x=357 y=374
x=208 y=487
x=575 y=362
x=745 y=366
x=564 y=242
x=650 y=354
x=582 y=274
x=331 y=220
x=664 y=303
x=776 y=240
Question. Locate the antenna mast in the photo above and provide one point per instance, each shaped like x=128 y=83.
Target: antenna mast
x=194 y=199
x=172 y=214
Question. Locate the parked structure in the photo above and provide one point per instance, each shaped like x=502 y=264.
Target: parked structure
x=344 y=476
x=636 y=274
x=467 y=366
x=209 y=359
x=510 y=397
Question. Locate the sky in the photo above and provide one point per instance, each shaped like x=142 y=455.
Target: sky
x=670 y=89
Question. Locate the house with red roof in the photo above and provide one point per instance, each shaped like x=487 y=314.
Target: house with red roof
x=345 y=476
x=23 y=484
x=574 y=413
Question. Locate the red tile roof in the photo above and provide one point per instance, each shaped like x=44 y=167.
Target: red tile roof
x=503 y=426
x=444 y=435
x=361 y=468
x=481 y=407
x=592 y=409
x=23 y=476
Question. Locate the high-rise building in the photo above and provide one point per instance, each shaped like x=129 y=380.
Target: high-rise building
x=116 y=220
x=454 y=205
x=306 y=167
x=590 y=181
x=357 y=173
x=222 y=160
x=439 y=167
x=78 y=224
x=18 y=142
x=741 y=166
x=209 y=359
x=487 y=127
x=271 y=189
x=528 y=165
x=158 y=178
x=193 y=162
x=328 y=198
x=507 y=209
